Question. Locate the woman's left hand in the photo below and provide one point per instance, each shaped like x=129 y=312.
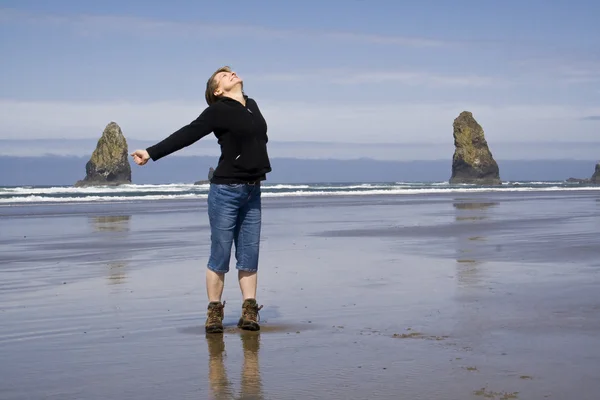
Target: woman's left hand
x=140 y=157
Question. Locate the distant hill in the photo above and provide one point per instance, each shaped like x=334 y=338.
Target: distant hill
x=57 y=170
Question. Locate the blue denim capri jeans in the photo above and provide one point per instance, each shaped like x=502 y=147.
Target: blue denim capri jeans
x=234 y=212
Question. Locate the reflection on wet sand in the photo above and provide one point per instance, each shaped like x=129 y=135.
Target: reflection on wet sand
x=474 y=205
x=117 y=273
x=220 y=386
x=119 y=224
x=470 y=218
x=114 y=223
x=469 y=211
x=251 y=386
x=469 y=205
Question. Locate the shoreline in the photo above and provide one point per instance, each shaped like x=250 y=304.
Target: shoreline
x=161 y=193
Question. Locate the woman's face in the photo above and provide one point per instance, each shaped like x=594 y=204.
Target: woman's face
x=226 y=81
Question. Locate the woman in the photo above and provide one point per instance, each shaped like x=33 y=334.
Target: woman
x=234 y=198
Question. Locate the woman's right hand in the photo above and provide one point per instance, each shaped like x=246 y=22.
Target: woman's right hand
x=140 y=157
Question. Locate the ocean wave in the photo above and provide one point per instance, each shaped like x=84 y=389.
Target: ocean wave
x=311 y=192
x=286 y=186
x=428 y=191
x=103 y=189
x=168 y=188
x=86 y=199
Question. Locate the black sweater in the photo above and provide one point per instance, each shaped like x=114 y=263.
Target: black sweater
x=242 y=135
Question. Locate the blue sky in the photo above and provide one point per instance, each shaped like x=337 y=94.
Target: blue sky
x=332 y=71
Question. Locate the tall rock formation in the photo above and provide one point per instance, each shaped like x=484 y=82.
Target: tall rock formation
x=472 y=161
x=596 y=177
x=109 y=164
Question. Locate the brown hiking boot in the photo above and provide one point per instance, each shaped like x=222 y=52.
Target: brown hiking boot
x=214 y=317
x=250 y=317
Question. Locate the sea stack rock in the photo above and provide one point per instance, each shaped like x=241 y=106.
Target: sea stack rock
x=211 y=171
x=596 y=177
x=109 y=164
x=472 y=162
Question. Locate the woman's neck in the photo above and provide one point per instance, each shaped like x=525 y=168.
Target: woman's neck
x=237 y=95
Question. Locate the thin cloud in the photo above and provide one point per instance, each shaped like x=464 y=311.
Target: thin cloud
x=580 y=72
x=109 y=24
x=409 y=78
x=382 y=39
x=297 y=121
x=592 y=118
x=569 y=72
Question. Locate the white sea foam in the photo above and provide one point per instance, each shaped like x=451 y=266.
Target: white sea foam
x=86 y=199
x=172 y=192
x=169 y=188
x=103 y=189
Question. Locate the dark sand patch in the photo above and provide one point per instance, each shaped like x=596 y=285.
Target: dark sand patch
x=418 y=335
x=489 y=394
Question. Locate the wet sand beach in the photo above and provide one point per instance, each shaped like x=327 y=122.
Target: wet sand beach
x=450 y=296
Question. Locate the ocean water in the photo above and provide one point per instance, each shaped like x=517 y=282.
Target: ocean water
x=135 y=193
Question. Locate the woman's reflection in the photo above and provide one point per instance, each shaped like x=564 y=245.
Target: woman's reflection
x=251 y=383
x=220 y=385
x=217 y=374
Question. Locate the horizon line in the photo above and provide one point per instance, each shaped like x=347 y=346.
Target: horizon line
x=87 y=156
x=315 y=142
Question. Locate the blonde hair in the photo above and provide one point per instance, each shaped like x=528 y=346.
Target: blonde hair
x=211 y=86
